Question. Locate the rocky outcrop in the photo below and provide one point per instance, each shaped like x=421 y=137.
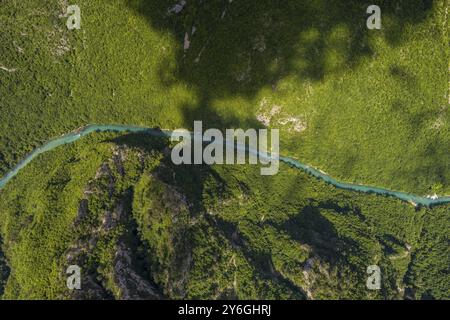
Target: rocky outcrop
x=130 y=283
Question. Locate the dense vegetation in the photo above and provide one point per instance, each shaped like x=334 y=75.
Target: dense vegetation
x=116 y=206
x=4 y=270
x=364 y=105
x=369 y=106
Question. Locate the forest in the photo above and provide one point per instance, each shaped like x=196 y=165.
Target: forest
x=116 y=205
x=366 y=106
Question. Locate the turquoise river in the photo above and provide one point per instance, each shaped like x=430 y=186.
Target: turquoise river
x=73 y=136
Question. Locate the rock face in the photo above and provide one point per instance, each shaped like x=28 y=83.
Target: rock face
x=141 y=238
x=110 y=250
x=123 y=281
x=119 y=276
x=275 y=115
x=130 y=283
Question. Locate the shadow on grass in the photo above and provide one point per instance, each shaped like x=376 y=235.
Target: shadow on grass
x=310 y=227
x=238 y=47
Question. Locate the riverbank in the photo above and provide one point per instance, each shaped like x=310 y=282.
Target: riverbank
x=156 y=132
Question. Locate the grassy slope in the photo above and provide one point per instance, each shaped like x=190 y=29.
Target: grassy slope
x=370 y=99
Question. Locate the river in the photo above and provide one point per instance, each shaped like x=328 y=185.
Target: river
x=75 y=135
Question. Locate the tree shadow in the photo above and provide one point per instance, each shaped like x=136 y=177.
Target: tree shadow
x=238 y=47
x=261 y=261
x=191 y=180
x=310 y=227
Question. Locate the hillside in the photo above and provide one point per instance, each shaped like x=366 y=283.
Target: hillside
x=366 y=106
x=116 y=206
